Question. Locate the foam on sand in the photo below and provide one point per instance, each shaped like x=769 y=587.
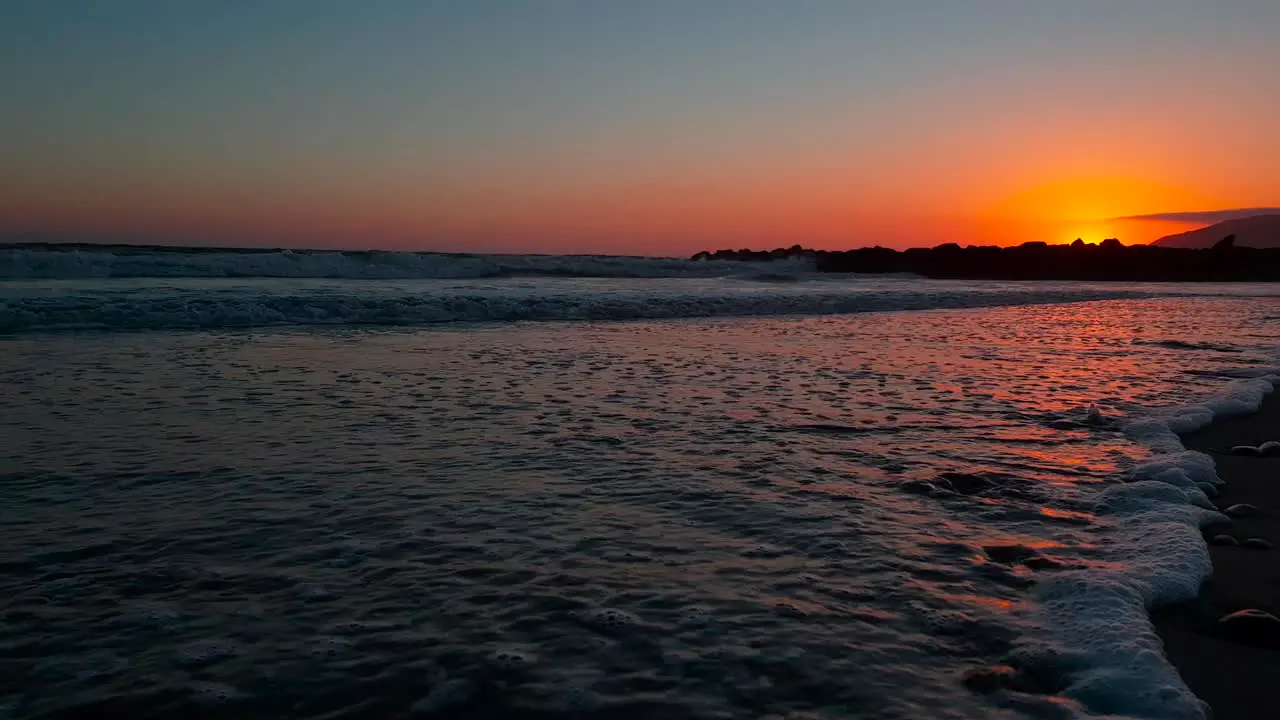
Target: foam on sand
x=1111 y=658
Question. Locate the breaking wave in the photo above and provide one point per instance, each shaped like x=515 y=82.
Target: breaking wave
x=273 y=303
x=137 y=262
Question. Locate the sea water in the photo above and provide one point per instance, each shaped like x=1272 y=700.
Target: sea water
x=707 y=492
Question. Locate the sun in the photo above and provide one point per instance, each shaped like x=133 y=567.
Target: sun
x=1090 y=232
x=1089 y=208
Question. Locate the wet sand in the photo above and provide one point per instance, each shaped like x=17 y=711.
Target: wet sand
x=1237 y=680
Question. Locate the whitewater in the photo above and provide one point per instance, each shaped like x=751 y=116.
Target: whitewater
x=87 y=261
x=321 y=484
x=158 y=288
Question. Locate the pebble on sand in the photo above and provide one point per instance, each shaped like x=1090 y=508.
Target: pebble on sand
x=1256 y=543
x=1251 y=627
x=1223 y=540
x=1240 y=510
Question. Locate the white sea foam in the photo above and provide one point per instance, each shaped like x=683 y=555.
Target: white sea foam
x=187 y=304
x=731 y=490
x=1101 y=616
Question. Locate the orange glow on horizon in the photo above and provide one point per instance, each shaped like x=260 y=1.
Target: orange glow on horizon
x=1091 y=208
x=677 y=218
x=636 y=130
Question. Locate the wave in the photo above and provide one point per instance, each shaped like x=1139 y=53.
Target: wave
x=1111 y=658
x=1187 y=345
x=261 y=305
x=25 y=263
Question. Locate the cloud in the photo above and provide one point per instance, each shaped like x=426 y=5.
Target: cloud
x=1204 y=216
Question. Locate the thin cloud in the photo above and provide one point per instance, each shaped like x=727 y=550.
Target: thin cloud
x=1205 y=216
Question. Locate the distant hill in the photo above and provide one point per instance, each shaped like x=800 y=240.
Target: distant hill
x=1260 y=231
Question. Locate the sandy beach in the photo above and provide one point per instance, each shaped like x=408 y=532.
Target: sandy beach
x=1238 y=679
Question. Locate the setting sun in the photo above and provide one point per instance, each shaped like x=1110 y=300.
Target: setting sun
x=1092 y=209
x=1091 y=233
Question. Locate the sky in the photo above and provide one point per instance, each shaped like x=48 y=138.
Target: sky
x=634 y=126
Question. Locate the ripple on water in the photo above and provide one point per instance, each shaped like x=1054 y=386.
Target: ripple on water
x=746 y=518
x=207 y=651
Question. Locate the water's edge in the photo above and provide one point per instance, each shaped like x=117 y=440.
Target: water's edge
x=1106 y=617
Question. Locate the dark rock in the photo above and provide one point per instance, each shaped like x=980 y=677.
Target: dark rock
x=1008 y=554
x=1250 y=627
x=786 y=609
x=1270 y=448
x=1256 y=543
x=1043 y=563
x=1240 y=510
x=1005 y=677
x=1111 y=260
x=1015 y=554
x=1223 y=540
x=1245 y=450
x=966 y=483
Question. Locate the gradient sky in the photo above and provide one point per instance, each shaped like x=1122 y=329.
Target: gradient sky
x=633 y=126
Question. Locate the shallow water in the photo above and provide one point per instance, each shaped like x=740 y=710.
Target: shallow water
x=680 y=519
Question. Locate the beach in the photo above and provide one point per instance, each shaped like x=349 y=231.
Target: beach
x=484 y=493
x=1238 y=680
x=572 y=360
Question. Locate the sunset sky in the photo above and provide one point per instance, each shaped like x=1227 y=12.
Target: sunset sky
x=636 y=127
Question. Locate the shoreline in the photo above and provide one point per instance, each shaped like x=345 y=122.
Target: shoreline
x=1237 y=679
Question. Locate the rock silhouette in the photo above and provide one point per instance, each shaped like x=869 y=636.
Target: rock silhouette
x=1109 y=260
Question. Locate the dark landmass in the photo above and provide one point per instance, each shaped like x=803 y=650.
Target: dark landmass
x=1259 y=231
x=1110 y=260
x=1237 y=675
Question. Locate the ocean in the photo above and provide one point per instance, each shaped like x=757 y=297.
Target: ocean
x=341 y=485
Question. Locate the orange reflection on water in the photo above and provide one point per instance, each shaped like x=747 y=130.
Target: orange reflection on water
x=1033 y=543
x=1066 y=514
x=984 y=601
x=1060 y=455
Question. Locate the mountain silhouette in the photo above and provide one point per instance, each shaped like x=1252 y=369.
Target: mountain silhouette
x=1259 y=231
